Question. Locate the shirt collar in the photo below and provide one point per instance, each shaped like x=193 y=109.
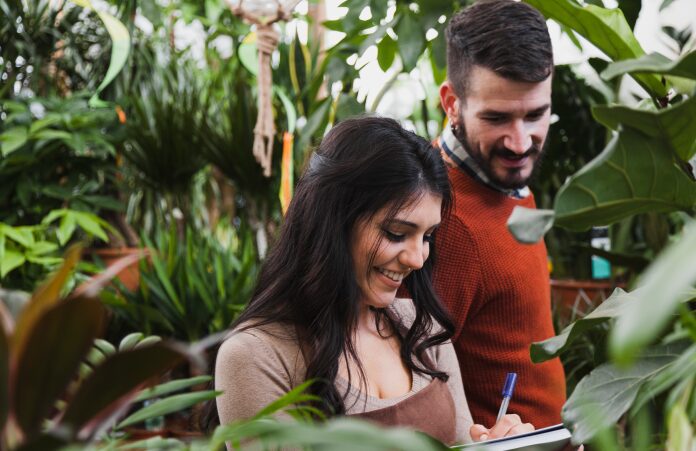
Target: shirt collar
x=456 y=151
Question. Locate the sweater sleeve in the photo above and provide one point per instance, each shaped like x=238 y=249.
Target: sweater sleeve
x=249 y=374
x=447 y=362
x=458 y=274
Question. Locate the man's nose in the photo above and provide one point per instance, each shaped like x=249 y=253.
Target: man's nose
x=518 y=138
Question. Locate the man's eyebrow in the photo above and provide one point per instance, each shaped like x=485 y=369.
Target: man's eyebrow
x=491 y=112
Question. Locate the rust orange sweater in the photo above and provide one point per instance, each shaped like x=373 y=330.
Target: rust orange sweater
x=497 y=292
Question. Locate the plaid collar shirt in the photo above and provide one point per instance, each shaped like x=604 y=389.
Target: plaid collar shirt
x=454 y=149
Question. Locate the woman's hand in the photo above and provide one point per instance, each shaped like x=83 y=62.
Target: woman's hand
x=510 y=424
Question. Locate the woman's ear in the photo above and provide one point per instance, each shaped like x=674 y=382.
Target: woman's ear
x=449 y=101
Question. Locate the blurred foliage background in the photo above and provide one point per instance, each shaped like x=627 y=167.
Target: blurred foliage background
x=129 y=124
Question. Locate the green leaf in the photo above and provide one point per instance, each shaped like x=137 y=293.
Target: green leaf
x=633 y=174
x=604 y=395
x=168 y=405
x=411 y=40
x=682 y=369
x=49 y=134
x=438 y=48
x=340 y=434
x=290 y=111
x=66 y=229
x=120 y=47
x=679 y=429
x=55 y=345
x=673 y=126
x=41 y=248
x=23 y=235
x=654 y=63
x=672 y=273
x=613 y=307
x=130 y=340
x=386 y=52
x=528 y=225
x=607 y=29
x=12 y=139
x=248 y=54
x=114 y=383
x=373 y=37
x=4 y=375
x=91 y=224
x=10 y=261
x=156 y=443
x=172 y=386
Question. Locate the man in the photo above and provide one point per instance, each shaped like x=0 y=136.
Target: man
x=498 y=101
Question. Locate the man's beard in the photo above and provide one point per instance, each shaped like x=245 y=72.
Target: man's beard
x=485 y=165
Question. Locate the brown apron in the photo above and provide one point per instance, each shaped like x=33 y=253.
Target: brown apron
x=431 y=410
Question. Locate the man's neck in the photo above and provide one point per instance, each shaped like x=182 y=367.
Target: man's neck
x=455 y=155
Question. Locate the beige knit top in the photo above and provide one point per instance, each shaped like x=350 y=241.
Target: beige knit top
x=258 y=365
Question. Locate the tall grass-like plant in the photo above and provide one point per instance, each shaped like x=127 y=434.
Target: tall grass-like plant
x=192 y=287
x=163 y=149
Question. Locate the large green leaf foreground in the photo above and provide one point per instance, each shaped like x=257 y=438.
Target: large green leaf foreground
x=634 y=174
x=605 y=28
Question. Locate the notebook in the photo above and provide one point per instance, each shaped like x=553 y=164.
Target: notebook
x=552 y=438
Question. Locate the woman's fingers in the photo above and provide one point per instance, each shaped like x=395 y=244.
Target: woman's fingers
x=522 y=428
x=508 y=425
x=478 y=432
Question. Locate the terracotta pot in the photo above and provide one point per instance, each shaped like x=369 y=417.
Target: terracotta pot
x=574 y=299
x=130 y=275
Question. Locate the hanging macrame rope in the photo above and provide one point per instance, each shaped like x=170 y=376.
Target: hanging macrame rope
x=267 y=41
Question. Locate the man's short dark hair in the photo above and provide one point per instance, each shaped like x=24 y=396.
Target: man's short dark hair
x=505 y=36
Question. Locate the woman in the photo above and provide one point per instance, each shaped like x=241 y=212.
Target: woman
x=361 y=224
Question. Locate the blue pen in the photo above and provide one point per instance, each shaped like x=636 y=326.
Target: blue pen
x=508 y=388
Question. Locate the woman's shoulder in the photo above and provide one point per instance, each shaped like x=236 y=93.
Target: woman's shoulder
x=274 y=343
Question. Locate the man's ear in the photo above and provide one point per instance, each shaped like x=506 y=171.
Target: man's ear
x=449 y=101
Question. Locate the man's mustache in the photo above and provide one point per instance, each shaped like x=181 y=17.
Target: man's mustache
x=504 y=152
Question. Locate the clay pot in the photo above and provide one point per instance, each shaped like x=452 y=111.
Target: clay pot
x=128 y=276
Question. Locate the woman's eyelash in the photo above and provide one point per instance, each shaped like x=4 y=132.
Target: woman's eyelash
x=391 y=236
x=396 y=237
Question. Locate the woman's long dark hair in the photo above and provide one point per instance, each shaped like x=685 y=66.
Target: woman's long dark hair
x=308 y=280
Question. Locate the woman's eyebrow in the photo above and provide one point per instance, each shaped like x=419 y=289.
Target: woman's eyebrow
x=409 y=224
x=403 y=223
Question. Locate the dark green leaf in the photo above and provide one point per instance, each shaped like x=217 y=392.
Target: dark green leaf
x=115 y=382
x=672 y=126
x=633 y=174
x=56 y=344
x=411 y=40
x=682 y=368
x=603 y=396
x=654 y=63
x=528 y=225
x=12 y=139
x=171 y=386
x=605 y=28
x=4 y=369
x=386 y=52
x=663 y=284
x=168 y=405
x=613 y=307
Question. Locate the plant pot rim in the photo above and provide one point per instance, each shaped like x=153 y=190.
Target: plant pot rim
x=587 y=283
